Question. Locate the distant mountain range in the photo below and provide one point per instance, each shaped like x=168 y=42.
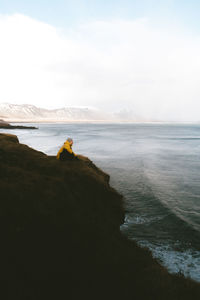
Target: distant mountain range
x=31 y=113
x=26 y=112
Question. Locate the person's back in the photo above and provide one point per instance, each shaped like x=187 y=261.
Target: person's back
x=65 y=152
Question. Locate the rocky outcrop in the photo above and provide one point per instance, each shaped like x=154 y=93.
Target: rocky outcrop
x=5 y=125
x=60 y=234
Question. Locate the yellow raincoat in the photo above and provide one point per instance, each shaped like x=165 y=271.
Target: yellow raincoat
x=65 y=147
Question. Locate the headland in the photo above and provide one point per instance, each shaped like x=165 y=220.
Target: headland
x=60 y=234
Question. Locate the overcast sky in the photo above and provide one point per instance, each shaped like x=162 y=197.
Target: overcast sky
x=114 y=55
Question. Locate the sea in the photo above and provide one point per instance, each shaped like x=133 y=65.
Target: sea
x=156 y=167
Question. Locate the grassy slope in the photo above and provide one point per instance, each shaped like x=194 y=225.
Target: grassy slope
x=60 y=235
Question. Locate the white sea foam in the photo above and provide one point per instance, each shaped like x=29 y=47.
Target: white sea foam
x=141 y=219
x=184 y=262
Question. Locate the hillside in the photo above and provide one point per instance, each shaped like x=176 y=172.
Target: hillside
x=60 y=234
x=31 y=113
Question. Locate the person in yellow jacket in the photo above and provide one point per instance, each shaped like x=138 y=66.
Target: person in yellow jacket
x=65 y=152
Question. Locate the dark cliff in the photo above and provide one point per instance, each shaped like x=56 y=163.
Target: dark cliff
x=60 y=234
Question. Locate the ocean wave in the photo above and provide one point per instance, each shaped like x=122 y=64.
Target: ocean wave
x=186 y=262
x=141 y=219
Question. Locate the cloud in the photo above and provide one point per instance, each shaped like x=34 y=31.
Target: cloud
x=113 y=65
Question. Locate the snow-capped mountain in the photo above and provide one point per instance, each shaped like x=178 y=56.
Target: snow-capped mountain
x=26 y=112
x=31 y=113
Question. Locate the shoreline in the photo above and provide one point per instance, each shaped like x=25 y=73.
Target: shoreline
x=52 y=121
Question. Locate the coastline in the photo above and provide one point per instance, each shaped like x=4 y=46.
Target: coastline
x=62 y=226
x=84 y=121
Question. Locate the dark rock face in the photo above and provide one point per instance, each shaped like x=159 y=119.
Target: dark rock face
x=60 y=236
x=5 y=125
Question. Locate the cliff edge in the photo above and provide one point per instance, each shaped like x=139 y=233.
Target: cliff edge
x=60 y=234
